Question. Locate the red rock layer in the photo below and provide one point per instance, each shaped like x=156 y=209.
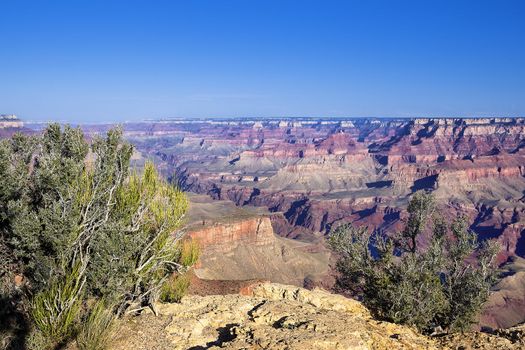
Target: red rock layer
x=224 y=237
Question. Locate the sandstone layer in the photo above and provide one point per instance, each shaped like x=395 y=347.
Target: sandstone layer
x=240 y=244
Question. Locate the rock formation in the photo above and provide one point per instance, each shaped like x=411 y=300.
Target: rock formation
x=240 y=244
x=274 y=316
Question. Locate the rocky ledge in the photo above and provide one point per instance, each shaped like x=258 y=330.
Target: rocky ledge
x=274 y=316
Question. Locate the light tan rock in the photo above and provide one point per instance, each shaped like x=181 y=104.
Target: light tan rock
x=274 y=317
x=279 y=317
x=318 y=298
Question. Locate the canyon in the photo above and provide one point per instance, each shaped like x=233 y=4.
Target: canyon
x=267 y=192
x=319 y=174
x=313 y=175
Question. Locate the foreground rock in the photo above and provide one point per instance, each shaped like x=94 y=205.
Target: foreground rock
x=273 y=316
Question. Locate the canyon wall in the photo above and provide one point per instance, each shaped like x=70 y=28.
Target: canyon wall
x=239 y=244
x=320 y=173
x=226 y=237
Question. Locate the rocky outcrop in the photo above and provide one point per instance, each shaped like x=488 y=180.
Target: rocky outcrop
x=249 y=250
x=238 y=244
x=274 y=316
x=277 y=317
x=226 y=237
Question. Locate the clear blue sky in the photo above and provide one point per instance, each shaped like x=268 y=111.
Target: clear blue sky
x=128 y=60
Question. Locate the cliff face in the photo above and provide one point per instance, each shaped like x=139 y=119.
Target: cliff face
x=226 y=237
x=238 y=245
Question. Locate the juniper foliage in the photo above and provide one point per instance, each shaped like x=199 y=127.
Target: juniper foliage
x=442 y=283
x=77 y=224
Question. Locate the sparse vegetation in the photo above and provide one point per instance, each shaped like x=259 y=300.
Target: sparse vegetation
x=190 y=251
x=175 y=288
x=76 y=225
x=432 y=274
x=56 y=310
x=97 y=329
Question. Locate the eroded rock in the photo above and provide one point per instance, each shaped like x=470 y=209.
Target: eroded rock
x=278 y=317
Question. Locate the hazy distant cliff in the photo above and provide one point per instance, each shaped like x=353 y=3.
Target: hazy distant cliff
x=10 y=121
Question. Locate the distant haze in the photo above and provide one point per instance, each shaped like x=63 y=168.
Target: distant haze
x=96 y=61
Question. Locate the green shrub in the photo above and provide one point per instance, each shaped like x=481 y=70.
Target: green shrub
x=189 y=252
x=175 y=288
x=97 y=329
x=78 y=225
x=35 y=340
x=443 y=283
x=56 y=309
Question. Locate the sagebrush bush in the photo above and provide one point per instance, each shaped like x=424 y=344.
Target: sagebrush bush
x=443 y=283
x=56 y=310
x=35 y=340
x=77 y=225
x=189 y=252
x=176 y=286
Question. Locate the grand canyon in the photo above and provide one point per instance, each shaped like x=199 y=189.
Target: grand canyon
x=266 y=193
x=312 y=175
x=249 y=175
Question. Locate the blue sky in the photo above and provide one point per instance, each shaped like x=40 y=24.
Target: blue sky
x=130 y=60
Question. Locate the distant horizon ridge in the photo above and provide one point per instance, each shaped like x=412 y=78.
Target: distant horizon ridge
x=248 y=118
